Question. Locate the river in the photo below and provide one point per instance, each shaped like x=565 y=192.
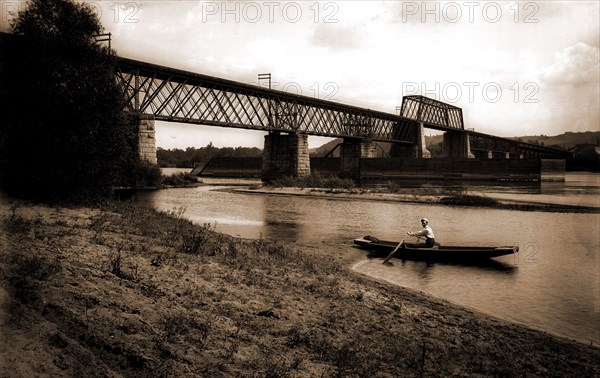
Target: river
x=553 y=284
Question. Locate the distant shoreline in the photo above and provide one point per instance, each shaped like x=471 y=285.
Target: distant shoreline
x=344 y=194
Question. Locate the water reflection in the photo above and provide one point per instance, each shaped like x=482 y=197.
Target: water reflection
x=574 y=184
x=447 y=187
x=275 y=229
x=491 y=265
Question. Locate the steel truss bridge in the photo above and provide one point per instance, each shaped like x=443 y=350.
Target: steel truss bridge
x=169 y=94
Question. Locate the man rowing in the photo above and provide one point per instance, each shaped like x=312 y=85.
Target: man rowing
x=427 y=232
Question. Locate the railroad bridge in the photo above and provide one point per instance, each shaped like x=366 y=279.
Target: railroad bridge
x=162 y=93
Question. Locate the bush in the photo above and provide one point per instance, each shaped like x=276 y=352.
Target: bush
x=147 y=175
x=180 y=179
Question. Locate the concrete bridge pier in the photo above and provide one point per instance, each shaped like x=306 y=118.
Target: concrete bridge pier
x=456 y=144
x=351 y=151
x=285 y=155
x=147 y=139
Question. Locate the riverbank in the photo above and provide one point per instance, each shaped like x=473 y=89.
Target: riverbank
x=499 y=202
x=123 y=290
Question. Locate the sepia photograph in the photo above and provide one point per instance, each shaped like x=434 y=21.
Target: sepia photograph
x=306 y=188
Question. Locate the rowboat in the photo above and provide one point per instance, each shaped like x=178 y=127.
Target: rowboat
x=436 y=253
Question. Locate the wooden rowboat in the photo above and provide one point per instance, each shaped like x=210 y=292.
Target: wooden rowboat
x=437 y=253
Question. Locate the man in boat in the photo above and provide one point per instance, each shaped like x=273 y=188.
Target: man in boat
x=427 y=232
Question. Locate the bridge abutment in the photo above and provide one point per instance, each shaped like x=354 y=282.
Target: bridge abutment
x=147 y=139
x=457 y=145
x=285 y=155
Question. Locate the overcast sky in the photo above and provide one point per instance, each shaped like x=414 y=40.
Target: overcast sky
x=515 y=68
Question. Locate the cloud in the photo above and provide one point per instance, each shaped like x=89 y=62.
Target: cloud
x=570 y=90
x=574 y=65
x=337 y=37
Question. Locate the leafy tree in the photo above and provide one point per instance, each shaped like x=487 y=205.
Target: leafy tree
x=192 y=156
x=65 y=135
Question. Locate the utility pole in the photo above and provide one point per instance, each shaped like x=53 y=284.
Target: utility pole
x=267 y=76
x=106 y=37
x=263 y=77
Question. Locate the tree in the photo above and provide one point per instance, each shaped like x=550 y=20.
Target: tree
x=65 y=135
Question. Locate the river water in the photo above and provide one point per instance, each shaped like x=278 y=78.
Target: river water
x=553 y=284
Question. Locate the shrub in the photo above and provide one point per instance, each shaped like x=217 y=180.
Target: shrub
x=180 y=179
x=147 y=175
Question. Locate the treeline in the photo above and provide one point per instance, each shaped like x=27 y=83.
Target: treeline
x=585 y=157
x=191 y=156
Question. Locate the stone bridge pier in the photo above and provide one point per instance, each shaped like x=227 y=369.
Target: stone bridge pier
x=147 y=139
x=352 y=150
x=285 y=155
x=456 y=144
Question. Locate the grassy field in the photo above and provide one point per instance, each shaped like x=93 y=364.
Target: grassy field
x=123 y=290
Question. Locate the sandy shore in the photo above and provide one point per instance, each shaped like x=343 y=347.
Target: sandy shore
x=122 y=290
x=525 y=203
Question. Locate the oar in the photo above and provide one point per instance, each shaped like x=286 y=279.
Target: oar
x=394 y=251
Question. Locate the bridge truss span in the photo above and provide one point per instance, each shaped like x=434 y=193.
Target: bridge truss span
x=170 y=94
x=173 y=95
x=498 y=145
x=432 y=113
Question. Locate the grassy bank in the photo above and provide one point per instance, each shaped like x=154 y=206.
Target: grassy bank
x=180 y=179
x=314 y=180
x=123 y=290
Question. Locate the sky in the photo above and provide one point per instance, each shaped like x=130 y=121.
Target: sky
x=515 y=68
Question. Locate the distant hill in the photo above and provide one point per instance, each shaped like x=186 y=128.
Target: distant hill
x=564 y=141
x=324 y=149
